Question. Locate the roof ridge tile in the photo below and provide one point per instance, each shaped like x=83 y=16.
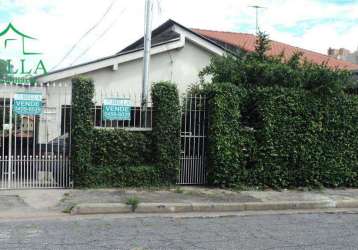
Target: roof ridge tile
x=223 y=31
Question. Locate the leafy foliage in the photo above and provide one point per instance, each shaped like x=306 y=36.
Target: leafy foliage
x=133 y=202
x=107 y=158
x=278 y=137
x=118 y=147
x=125 y=176
x=122 y=159
x=304 y=140
x=288 y=123
x=229 y=143
x=251 y=70
x=166 y=129
x=262 y=45
x=82 y=132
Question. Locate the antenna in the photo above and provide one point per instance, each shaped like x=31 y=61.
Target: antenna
x=159 y=6
x=257 y=8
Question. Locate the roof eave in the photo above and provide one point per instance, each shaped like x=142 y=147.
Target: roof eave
x=112 y=60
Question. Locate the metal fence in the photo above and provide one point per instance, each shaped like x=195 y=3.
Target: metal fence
x=138 y=117
x=193 y=169
x=34 y=149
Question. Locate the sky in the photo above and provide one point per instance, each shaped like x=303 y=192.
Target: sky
x=59 y=24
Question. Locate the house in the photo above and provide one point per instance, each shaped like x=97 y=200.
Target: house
x=338 y=53
x=345 y=55
x=25 y=128
x=178 y=54
x=27 y=124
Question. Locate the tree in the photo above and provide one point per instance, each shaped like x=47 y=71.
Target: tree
x=255 y=69
x=262 y=45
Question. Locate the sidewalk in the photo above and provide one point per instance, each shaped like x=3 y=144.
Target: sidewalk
x=30 y=203
x=196 y=199
x=182 y=199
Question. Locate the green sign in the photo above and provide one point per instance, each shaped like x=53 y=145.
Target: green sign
x=118 y=109
x=28 y=103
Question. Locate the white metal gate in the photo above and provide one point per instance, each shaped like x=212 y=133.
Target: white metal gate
x=193 y=169
x=34 y=149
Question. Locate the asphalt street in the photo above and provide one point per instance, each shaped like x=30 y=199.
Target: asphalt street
x=297 y=231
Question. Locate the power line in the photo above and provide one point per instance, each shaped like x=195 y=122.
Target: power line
x=86 y=33
x=99 y=37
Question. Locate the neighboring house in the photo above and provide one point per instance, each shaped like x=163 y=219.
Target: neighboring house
x=344 y=54
x=339 y=54
x=27 y=123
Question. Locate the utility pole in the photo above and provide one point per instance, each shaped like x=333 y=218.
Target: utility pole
x=257 y=8
x=147 y=47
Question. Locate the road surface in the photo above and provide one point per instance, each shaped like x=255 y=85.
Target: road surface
x=297 y=231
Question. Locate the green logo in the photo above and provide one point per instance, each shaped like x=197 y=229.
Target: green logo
x=18 y=63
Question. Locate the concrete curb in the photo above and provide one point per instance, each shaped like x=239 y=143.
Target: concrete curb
x=347 y=204
x=118 y=208
x=101 y=208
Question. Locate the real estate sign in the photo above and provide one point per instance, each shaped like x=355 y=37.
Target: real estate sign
x=118 y=109
x=28 y=103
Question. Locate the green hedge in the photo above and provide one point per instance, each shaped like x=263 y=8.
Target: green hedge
x=339 y=141
x=122 y=159
x=120 y=147
x=81 y=129
x=229 y=143
x=166 y=129
x=305 y=129
x=287 y=123
x=306 y=140
x=104 y=176
x=119 y=158
x=297 y=138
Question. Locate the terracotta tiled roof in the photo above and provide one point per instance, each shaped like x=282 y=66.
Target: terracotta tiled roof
x=247 y=42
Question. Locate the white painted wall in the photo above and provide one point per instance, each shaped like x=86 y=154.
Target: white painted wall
x=180 y=66
x=56 y=95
